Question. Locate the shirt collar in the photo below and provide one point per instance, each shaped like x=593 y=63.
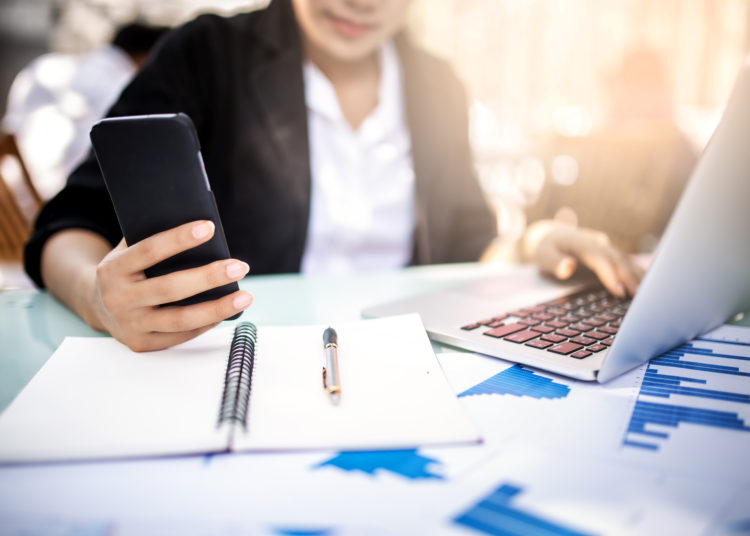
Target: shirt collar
x=320 y=96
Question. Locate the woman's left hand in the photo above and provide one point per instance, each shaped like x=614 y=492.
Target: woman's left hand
x=561 y=248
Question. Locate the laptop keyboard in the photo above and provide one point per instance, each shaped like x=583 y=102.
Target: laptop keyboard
x=577 y=325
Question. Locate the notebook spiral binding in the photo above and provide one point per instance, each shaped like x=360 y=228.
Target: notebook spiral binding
x=238 y=379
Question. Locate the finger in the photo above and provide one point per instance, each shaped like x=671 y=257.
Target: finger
x=185 y=283
x=149 y=342
x=627 y=272
x=606 y=272
x=594 y=250
x=566 y=267
x=177 y=318
x=600 y=259
x=630 y=273
x=115 y=265
x=554 y=261
x=161 y=246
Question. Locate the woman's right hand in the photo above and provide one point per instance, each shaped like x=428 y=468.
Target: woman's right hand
x=120 y=299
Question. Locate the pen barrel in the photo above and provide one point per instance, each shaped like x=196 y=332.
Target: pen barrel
x=332 y=369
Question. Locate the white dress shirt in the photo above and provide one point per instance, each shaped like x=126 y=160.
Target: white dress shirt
x=362 y=200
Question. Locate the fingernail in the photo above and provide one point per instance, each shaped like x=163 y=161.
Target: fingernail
x=202 y=230
x=237 y=269
x=566 y=268
x=620 y=290
x=242 y=301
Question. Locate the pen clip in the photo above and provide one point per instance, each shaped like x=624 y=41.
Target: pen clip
x=324 y=378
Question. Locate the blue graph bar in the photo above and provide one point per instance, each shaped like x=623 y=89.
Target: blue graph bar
x=675 y=359
x=496 y=515
x=662 y=385
x=699 y=350
x=519 y=381
x=738 y=343
x=407 y=463
x=739 y=527
x=659 y=384
x=302 y=532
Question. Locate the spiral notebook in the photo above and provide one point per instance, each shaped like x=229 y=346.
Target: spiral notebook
x=236 y=389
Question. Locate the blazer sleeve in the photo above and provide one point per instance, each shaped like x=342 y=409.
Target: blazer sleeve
x=473 y=223
x=175 y=79
x=454 y=220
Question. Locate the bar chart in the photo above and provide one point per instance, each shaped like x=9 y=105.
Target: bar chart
x=519 y=381
x=496 y=514
x=703 y=383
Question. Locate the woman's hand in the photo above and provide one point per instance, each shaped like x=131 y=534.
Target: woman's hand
x=113 y=293
x=557 y=250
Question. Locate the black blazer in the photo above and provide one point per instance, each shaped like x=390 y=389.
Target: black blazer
x=240 y=80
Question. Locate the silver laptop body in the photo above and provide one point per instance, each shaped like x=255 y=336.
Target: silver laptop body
x=698 y=278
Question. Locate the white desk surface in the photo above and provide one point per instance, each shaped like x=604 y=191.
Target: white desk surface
x=549 y=464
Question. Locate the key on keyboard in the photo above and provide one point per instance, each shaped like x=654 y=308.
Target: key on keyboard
x=577 y=325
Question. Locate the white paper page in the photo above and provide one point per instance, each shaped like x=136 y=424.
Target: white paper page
x=394 y=393
x=95 y=398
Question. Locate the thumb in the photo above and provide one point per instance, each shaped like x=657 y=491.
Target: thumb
x=565 y=266
x=552 y=260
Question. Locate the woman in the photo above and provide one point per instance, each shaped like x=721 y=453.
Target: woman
x=331 y=144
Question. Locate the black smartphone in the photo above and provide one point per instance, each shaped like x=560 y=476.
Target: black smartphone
x=154 y=172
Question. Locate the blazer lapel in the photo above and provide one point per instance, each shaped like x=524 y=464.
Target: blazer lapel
x=278 y=86
x=417 y=104
x=277 y=83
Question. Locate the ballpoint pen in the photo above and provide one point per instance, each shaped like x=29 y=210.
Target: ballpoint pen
x=331 y=380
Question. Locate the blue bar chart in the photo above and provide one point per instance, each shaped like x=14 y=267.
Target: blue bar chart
x=302 y=532
x=495 y=514
x=519 y=381
x=701 y=383
x=407 y=463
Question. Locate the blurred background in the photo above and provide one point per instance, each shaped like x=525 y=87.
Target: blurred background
x=591 y=112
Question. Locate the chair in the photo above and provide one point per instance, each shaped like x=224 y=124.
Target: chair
x=19 y=201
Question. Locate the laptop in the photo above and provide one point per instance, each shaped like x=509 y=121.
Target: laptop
x=698 y=279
